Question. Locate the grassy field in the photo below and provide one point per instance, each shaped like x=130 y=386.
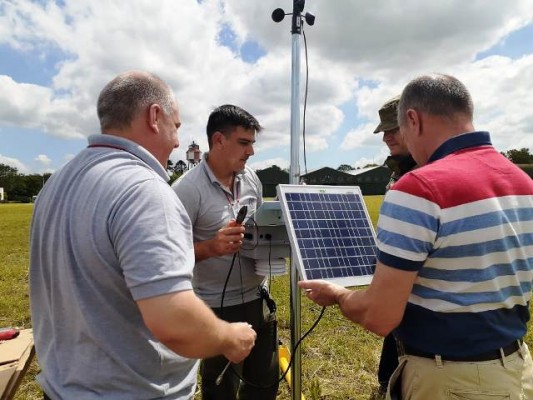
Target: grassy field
x=14 y=298
x=339 y=359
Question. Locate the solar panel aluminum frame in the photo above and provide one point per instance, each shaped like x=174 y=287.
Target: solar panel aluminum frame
x=346 y=281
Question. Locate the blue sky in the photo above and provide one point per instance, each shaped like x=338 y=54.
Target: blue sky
x=56 y=56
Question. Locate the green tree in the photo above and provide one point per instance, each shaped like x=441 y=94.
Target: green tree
x=177 y=170
x=8 y=178
x=345 y=168
x=20 y=187
x=6 y=170
x=180 y=166
x=34 y=184
x=170 y=166
x=522 y=156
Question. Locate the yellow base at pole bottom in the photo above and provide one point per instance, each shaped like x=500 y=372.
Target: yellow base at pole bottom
x=284 y=359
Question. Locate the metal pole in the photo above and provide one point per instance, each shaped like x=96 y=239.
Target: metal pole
x=294 y=178
x=295 y=106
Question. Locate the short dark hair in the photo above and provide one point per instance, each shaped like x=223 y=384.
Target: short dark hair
x=228 y=117
x=127 y=94
x=439 y=94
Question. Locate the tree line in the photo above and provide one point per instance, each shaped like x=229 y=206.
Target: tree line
x=19 y=187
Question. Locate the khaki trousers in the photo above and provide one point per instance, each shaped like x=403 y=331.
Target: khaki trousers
x=509 y=378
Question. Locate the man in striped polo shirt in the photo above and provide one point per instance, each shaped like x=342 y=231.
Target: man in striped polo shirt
x=455 y=236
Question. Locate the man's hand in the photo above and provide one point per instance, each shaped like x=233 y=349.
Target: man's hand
x=242 y=340
x=187 y=326
x=228 y=239
x=322 y=292
x=379 y=308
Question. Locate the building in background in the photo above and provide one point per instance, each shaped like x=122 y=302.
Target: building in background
x=193 y=154
x=270 y=178
x=371 y=180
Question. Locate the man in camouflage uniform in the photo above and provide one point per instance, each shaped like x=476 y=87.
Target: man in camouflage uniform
x=399 y=162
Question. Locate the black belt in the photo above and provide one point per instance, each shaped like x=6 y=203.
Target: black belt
x=491 y=355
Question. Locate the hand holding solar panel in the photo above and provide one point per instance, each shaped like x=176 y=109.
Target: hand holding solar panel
x=330 y=231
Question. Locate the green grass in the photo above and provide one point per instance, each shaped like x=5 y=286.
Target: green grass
x=14 y=297
x=14 y=226
x=339 y=359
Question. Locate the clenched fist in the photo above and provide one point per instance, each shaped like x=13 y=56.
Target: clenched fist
x=241 y=340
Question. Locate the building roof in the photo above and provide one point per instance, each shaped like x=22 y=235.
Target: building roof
x=362 y=170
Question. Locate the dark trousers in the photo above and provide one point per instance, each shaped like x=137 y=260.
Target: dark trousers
x=260 y=368
x=389 y=360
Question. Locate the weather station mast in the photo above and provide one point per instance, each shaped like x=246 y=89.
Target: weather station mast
x=294 y=178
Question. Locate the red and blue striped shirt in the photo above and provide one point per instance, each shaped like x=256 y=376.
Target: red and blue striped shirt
x=464 y=221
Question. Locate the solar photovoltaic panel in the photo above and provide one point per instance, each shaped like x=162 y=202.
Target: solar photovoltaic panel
x=331 y=235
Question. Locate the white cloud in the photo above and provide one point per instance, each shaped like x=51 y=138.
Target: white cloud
x=13 y=162
x=359 y=52
x=33 y=106
x=43 y=160
x=362 y=136
x=363 y=162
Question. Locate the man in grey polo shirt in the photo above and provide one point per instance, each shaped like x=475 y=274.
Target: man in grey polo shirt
x=212 y=193
x=113 y=311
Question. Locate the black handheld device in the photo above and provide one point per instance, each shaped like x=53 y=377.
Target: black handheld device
x=241 y=214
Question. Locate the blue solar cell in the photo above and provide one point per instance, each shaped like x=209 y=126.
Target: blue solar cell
x=330 y=232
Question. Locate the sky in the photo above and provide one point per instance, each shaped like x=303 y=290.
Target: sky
x=56 y=56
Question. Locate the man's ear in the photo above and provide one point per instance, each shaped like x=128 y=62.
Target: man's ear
x=414 y=120
x=153 y=117
x=217 y=137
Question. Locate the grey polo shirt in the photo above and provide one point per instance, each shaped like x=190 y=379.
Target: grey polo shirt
x=210 y=206
x=107 y=230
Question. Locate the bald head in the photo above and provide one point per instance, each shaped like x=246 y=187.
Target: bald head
x=140 y=107
x=437 y=95
x=432 y=109
x=129 y=93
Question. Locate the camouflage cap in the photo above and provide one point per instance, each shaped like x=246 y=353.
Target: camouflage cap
x=388 y=115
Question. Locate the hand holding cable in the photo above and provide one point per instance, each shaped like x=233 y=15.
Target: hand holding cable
x=240 y=341
x=228 y=239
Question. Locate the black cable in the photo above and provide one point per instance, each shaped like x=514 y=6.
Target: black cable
x=269 y=264
x=242 y=286
x=295 y=346
x=290 y=362
x=239 y=219
x=226 y=285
